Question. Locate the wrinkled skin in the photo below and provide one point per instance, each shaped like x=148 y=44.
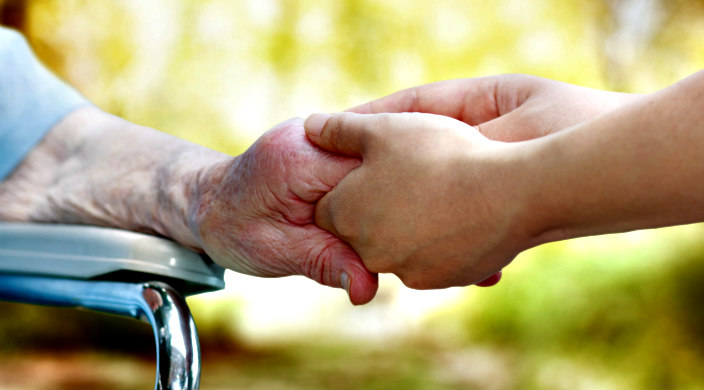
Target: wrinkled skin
x=256 y=215
x=252 y=213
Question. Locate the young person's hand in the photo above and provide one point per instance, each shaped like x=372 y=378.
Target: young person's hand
x=429 y=202
x=510 y=107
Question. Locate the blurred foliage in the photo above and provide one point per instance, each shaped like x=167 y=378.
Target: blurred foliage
x=620 y=311
x=603 y=312
x=221 y=72
x=39 y=327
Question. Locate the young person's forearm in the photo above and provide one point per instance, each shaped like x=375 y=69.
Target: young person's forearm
x=640 y=166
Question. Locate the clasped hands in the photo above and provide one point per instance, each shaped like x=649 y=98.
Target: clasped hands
x=425 y=183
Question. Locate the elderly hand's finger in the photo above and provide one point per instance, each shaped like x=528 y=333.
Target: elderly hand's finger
x=335 y=264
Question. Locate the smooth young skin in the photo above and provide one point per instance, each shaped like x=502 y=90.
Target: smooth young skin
x=440 y=205
x=509 y=107
x=419 y=205
x=252 y=213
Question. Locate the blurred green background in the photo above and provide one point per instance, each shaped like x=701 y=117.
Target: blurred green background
x=613 y=312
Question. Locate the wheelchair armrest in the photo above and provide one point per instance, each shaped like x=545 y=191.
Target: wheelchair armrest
x=113 y=271
x=98 y=253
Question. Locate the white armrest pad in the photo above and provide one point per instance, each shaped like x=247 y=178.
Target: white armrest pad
x=89 y=252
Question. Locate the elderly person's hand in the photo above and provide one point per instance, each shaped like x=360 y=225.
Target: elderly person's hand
x=256 y=213
x=252 y=213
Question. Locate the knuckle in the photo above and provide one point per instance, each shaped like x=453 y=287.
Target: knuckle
x=270 y=142
x=376 y=130
x=333 y=128
x=383 y=121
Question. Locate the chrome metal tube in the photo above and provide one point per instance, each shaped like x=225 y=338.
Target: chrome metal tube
x=177 y=347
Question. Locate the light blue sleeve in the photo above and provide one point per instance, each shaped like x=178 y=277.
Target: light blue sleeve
x=32 y=100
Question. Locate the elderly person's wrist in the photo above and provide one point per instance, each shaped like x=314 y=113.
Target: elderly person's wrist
x=188 y=187
x=95 y=168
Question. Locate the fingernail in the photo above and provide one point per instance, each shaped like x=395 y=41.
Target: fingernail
x=491 y=280
x=314 y=124
x=345 y=282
